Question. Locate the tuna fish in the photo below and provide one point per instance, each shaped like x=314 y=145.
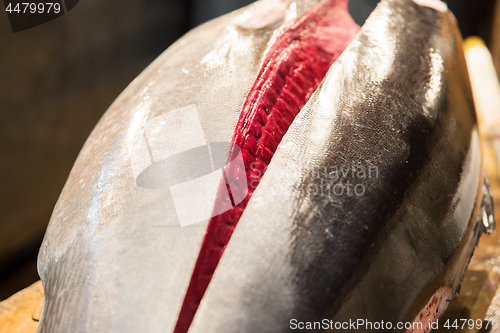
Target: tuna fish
x=350 y=189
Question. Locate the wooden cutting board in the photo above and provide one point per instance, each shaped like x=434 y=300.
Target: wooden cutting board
x=20 y=312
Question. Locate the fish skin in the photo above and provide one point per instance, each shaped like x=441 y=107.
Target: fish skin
x=111 y=245
x=102 y=257
x=398 y=98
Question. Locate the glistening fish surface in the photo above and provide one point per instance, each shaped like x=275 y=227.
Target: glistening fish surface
x=389 y=240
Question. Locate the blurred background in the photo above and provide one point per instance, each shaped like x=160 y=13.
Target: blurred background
x=57 y=79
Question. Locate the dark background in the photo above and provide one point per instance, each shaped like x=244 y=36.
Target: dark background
x=56 y=81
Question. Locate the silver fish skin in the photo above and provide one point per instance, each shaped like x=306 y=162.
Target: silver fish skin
x=398 y=100
x=114 y=257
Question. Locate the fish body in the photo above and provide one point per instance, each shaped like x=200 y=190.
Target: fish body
x=103 y=217
x=370 y=207
x=395 y=111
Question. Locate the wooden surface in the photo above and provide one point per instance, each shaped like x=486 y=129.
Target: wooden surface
x=20 y=312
